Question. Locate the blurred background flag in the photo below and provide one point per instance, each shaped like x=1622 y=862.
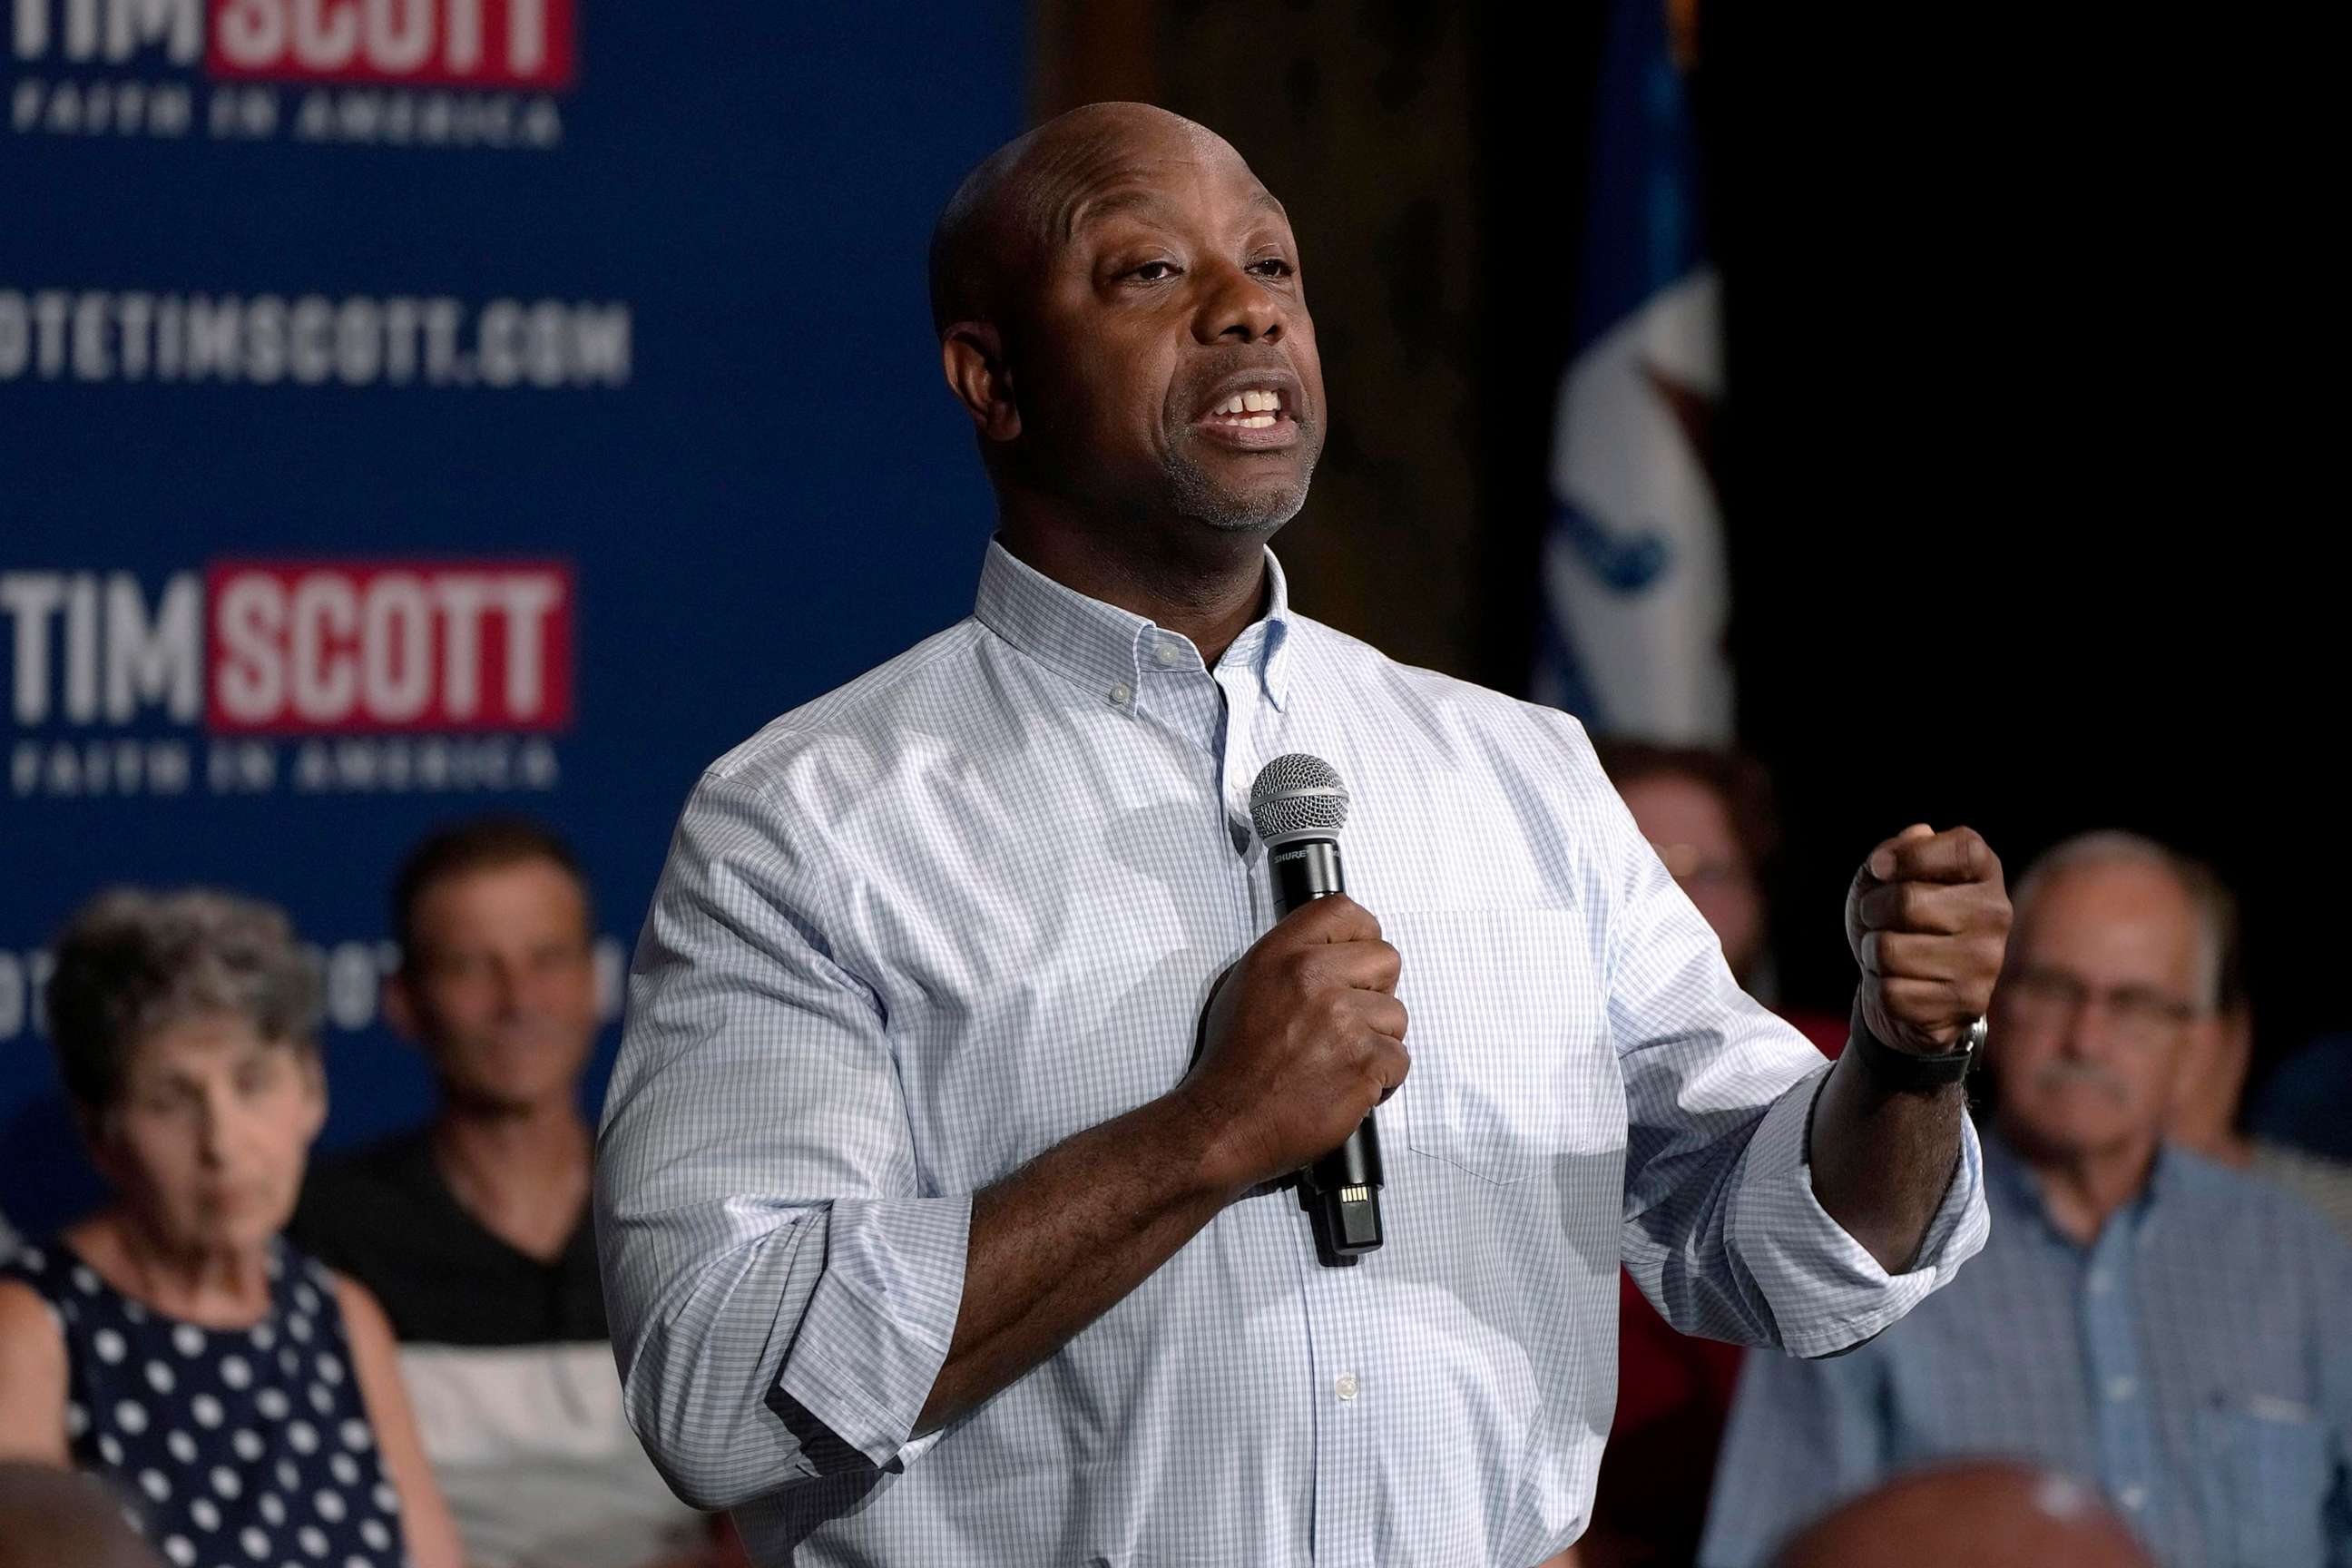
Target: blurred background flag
x=1636 y=590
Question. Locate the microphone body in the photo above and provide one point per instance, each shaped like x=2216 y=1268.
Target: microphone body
x=1340 y=1191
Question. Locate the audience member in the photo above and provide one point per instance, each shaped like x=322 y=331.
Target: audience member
x=58 y=1518
x=243 y=1399
x=1980 y=1515
x=2207 y=1103
x=474 y=1230
x=1709 y=816
x=2142 y=1317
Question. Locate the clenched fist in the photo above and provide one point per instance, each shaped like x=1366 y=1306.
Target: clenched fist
x=1927 y=918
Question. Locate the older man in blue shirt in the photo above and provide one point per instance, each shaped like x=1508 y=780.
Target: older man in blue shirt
x=2163 y=1326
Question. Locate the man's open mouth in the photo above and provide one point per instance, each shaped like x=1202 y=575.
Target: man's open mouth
x=1255 y=409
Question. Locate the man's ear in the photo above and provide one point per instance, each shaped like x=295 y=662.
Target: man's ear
x=972 y=353
x=399 y=1004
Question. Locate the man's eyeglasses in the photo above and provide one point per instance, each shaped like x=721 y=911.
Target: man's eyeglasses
x=2135 y=1012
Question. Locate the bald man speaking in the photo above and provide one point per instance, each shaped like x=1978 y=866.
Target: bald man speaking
x=943 y=1193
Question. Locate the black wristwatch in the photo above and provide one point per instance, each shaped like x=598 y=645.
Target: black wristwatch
x=1908 y=1071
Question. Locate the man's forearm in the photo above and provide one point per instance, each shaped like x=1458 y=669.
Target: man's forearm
x=1060 y=1241
x=1883 y=1159
x=1927 y=918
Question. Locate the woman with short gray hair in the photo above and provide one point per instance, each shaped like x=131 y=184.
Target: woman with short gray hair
x=245 y=1400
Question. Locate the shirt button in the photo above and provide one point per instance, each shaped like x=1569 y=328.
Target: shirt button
x=2121 y=1387
x=1168 y=654
x=2134 y=1498
x=1346 y=1386
x=1121 y=695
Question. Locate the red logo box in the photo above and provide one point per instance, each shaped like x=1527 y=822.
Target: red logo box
x=490 y=45
x=348 y=647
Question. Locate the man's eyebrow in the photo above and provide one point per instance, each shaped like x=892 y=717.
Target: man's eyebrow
x=1143 y=198
x=1087 y=210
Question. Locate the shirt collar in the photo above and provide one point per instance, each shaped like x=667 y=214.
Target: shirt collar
x=1103 y=649
x=2010 y=1184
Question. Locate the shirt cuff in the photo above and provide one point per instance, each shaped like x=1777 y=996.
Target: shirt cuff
x=878 y=1324
x=1826 y=1292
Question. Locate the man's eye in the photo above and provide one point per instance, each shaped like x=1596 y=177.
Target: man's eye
x=1272 y=266
x=1153 y=271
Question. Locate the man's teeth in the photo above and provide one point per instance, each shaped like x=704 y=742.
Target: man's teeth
x=1257 y=409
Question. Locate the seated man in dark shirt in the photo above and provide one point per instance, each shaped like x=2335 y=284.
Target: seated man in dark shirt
x=474 y=1230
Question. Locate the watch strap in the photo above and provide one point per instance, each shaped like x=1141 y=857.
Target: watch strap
x=1908 y=1071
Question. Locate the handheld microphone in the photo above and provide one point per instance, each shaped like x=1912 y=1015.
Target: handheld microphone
x=1298 y=806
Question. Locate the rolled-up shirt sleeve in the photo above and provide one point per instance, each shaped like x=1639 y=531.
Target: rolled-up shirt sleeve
x=1723 y=1232
x=782 y=1292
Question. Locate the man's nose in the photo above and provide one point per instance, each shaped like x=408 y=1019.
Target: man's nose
x=510 y=983
x=1234 y=305
x=2088 y=1033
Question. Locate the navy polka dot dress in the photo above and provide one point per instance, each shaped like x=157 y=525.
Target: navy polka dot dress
x=232 y=1448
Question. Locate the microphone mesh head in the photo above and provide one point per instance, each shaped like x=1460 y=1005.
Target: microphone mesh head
x=1297 y=794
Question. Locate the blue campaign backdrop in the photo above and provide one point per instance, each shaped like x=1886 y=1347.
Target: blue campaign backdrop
x=657 y=318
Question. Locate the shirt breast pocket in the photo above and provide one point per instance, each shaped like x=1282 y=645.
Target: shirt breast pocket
x=1511 y=1063
x=2265 y=1474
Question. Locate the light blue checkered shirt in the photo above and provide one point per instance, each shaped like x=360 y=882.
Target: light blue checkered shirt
x=924 y=928
x=2194 y=1362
